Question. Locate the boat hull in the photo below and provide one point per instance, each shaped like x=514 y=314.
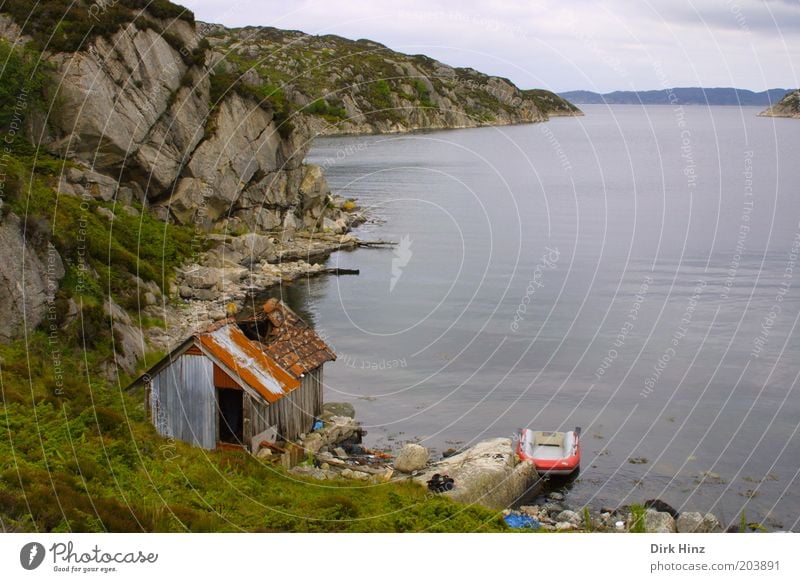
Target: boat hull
x=549 y=460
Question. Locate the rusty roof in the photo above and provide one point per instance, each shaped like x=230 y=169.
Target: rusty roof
x=273 y=366
x=245 y=362
x=291 y=342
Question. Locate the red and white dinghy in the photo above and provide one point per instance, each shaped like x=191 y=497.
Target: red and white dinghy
x=553 y=453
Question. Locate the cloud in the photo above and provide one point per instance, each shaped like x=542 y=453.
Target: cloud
x=751 y=44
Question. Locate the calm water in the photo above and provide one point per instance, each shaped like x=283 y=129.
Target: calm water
x=630 y=272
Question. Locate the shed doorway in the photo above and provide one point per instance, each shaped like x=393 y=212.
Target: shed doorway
x=230 y=415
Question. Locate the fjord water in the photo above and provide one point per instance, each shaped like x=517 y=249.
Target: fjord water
x=632 y=272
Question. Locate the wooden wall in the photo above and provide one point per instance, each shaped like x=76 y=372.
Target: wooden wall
x=293 y=414
x=183 y=402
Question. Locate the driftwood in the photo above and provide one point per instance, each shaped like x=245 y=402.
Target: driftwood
x=334 y=462
x=375 y=243
x=337 y=271
x=332 y=271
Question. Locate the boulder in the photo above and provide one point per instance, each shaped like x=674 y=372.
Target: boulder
x=659 y=522
x=696 y=522
x=487 y=473
x=254 y=246
x=689 y=522
x=411 y=458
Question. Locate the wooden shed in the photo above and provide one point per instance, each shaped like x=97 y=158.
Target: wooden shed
x=237 y=379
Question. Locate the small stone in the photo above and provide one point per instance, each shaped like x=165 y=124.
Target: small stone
x=264 y=453
x=553 y=507
x=569 y=516
x=564 y=526
x=711 y=524
x=105 y=212
x=555 y=496
x=325 y=467
x=340 y=452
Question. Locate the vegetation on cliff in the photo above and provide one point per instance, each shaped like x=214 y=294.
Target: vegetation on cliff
x=789 y=106
x=362 y=86
x=69 y=25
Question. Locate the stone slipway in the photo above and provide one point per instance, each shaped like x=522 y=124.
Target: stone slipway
x=487 y=473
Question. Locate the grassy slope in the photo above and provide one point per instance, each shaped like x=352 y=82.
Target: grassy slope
x=78 y=454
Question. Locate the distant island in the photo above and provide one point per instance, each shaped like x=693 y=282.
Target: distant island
x=789 y=106
x=685 y=96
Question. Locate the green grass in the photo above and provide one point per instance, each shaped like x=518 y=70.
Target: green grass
x=90 y=461
x=638 y=513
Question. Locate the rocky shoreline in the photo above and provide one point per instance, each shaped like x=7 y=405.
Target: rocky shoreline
x=653 y=516
x=218 y=282
x=488 y=474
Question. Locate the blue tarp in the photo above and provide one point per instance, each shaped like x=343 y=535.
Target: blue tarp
x=519 y=521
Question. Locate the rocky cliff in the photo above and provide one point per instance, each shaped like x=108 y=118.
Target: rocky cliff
x=789 y=106
x=145 y=146
x=343 y=86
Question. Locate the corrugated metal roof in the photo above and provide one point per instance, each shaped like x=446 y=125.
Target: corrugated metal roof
x=245 y=361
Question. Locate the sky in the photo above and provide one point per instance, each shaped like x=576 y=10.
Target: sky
x=562 y=45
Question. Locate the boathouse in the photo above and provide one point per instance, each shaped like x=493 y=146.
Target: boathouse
x=236 y=380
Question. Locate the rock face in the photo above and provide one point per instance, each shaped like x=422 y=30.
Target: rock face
x=412 y=458
x=789 y=106
x=141 y=121
x=486 y=473
x=29 y=277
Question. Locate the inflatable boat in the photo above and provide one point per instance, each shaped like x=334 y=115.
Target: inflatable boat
x=553 y=453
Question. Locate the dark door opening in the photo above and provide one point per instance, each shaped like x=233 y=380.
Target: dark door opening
x=230 y=415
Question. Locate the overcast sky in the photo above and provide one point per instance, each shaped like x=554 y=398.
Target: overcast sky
x=562 y=44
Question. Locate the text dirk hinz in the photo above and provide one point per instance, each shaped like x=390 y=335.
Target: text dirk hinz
x=676 y=549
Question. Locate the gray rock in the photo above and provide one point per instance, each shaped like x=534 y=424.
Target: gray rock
x=340 y=452
x=338 y=409
x=659 y=522
x=689 y=522
x=555 y=496
x=254 y=246
x=28 y=285
x=565 y=526
x=486 y=473
x=105 y=213
x=711 y=524
x=570 y=516
x=129 y=343
x=552 y=507
x=412 y=457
